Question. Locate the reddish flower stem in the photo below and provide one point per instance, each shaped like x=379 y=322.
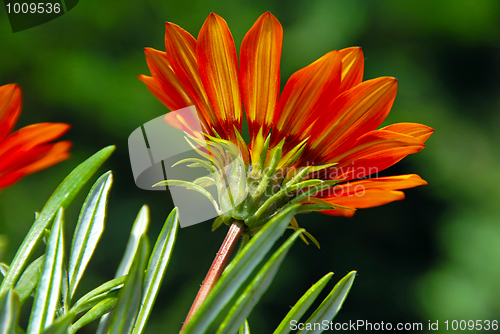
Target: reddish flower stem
x=218 y=266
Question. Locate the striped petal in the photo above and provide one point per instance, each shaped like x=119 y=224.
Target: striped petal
x=352 y=114
x=307 y=90
x=416 y=130
x=167 y=80
x=34 y=160
x=352 y=68
x=372 y=153
x=218 y=66
x=155 y=89
x=10 y=108
x=260 y=56
x=370 y=193
x=28 y=137
x=180 y=47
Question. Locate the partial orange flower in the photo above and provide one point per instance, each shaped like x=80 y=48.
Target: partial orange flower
x=326 y=113
x=27 y=150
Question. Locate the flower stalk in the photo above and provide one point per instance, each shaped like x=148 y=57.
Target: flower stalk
x=217 y=267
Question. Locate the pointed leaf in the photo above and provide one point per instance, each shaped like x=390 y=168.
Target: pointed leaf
x=100 y=309
x=332 y=304
x=107 y=290
x=129 y=299
x=139 y=230
x=49 y=288
x=238 y=271
x=4 y=268
x=9 y=312
x=61 y=197
x=245 y=328
x=29 y=279
x=251 y=296
x=156 y=268
x=302 y=305
x=88 y=229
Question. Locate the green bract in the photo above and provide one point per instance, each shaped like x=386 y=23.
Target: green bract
x=254 y=193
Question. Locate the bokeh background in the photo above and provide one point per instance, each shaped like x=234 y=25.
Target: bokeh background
x=434 y=256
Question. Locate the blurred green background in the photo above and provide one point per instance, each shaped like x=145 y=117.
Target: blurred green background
x=434 y=256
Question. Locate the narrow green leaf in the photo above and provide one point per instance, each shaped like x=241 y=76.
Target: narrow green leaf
x=251 y=296
x=9 y=312
x=245 y=328
x=107 y=290
x=130 y=296
x=332 y=303
x=139 y=230
x=156 y=268
x=60 y=325
x=65 y=298
x=238 y=271
x=302 y=305
x=88 y=230
x=4 y=268
x=29 y=279
x=100 y=309
x=61 y=197
x=49 y=288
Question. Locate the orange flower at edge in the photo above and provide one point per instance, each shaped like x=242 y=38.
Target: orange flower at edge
x=27 y=150
x=326 y=104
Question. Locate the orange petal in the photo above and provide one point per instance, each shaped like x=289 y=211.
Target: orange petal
x=30 y=136
x=387 y=183
x=340 y=212
x=34 y=160
x=180 y=49
x=10 y=108
x=372 y=153
x=416 y=130
x=155 y=89
x=369 y=193
x=260 y=56
x=178 y=97
x=57 y=153
x=352 y=68
x=352 y=114
x=309 y=89
x=218 y=66
x=362 y=200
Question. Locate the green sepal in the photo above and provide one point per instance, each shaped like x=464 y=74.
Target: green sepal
x=217 y=223
x=191 y=186
x=263 y=154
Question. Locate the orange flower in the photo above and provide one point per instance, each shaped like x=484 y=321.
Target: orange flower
x=326 y=110
x=27 y=150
